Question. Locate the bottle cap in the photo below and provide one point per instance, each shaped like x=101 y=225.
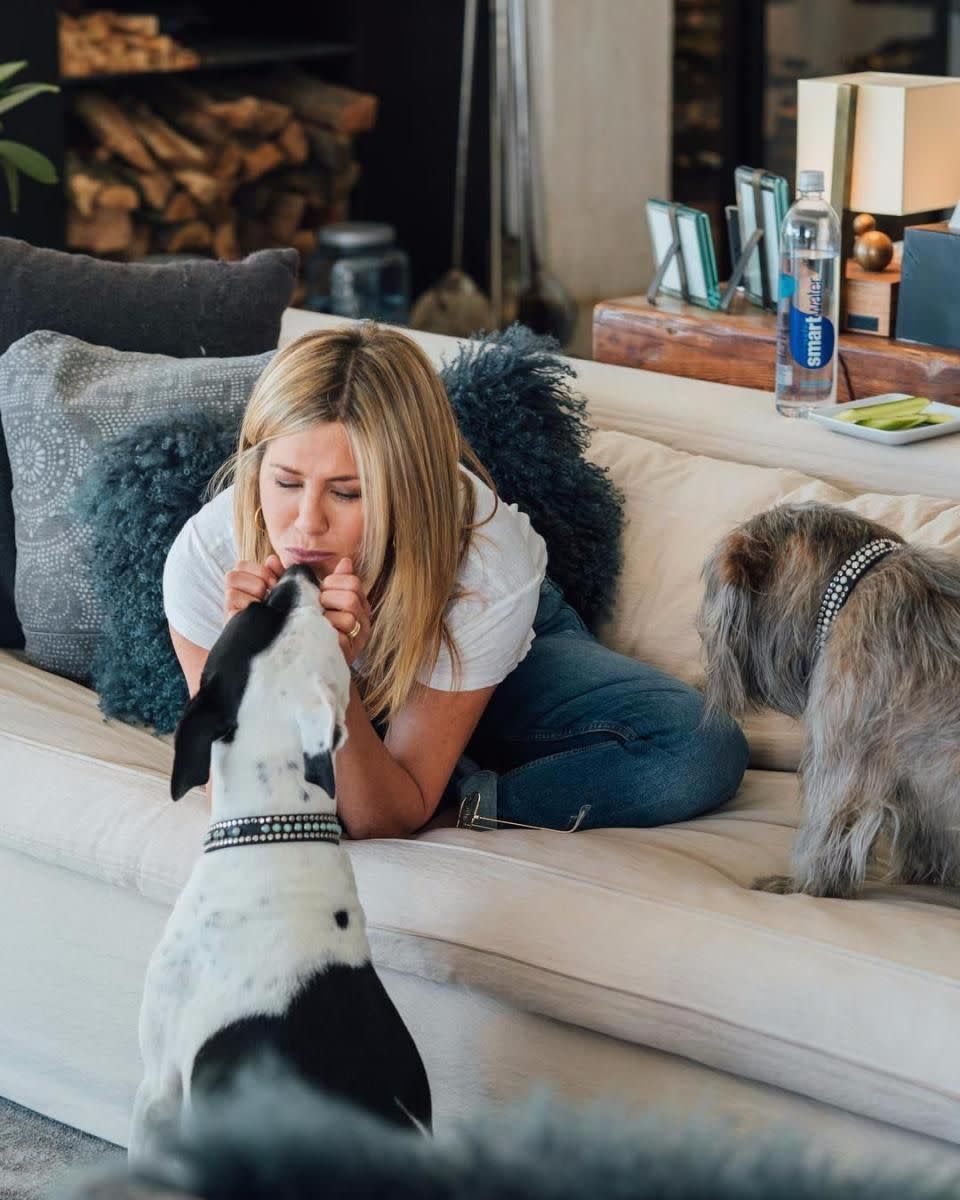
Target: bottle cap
x=356 y=235
x=810 y=181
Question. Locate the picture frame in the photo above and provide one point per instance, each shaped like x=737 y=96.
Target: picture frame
x=761 y=275
x=684 y=253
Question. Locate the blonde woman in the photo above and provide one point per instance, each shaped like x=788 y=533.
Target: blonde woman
x=470 y=672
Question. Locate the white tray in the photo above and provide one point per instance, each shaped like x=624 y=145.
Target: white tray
x=892 y=437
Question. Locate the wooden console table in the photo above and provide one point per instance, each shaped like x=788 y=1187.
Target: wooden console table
x=739 y=348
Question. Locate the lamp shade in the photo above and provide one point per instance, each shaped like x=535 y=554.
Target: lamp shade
x=906 y=148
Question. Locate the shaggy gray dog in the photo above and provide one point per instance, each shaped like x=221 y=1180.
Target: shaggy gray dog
x=872 y=667
x=278 y=1139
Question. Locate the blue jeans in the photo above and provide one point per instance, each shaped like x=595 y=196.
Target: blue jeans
x=575 y=723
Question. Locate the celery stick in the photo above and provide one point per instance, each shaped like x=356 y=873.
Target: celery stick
x=892 y=423
x=889 y=408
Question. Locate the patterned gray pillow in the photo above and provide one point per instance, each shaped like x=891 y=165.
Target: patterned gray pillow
x=60 y=399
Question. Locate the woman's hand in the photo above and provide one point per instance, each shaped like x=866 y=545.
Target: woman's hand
x=346 y=607
x=247 y=582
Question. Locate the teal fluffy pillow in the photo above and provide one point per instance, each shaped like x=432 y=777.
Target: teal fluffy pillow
x=142 y=488
x=517 y=408
x=515 y=404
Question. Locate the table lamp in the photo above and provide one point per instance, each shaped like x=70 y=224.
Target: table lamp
x=887 y=145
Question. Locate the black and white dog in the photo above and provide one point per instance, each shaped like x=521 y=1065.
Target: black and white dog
x=266 y=948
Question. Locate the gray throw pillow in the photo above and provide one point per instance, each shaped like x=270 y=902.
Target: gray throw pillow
x=60 y=399
x=187 y=308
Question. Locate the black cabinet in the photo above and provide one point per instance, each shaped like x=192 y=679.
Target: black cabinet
x=407 y=54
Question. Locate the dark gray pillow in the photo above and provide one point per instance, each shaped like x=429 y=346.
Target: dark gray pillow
x=60 y=400
x=185 y=308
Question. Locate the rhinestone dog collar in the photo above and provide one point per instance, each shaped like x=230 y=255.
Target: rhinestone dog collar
x=842 y=584
x=272 y=827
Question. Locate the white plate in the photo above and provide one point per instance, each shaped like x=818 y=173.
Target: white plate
x=892 y=437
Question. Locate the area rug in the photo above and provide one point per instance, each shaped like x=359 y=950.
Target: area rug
x=37 y=1153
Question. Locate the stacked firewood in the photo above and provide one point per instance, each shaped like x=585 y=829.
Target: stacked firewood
x=105 y=42
x=219 y=169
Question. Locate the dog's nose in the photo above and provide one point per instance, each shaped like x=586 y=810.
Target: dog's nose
x=307 y=584
x=299 y=571
x=298 y=586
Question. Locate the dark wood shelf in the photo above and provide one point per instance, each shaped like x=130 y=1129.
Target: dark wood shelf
x=227 y=53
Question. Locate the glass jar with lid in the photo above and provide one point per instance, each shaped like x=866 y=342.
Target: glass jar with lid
x=358 y=270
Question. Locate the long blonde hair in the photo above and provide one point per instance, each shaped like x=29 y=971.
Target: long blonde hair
x=418 y=505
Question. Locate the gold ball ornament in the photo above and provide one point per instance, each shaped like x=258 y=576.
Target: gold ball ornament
x=864 y=223
x=873 y=250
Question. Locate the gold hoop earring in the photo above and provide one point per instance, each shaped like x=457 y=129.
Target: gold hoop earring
x=258 y=518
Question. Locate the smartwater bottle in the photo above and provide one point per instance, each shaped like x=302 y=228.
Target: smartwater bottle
x=808 y=302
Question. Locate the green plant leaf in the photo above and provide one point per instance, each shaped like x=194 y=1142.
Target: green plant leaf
x=22 y=92
x=8 y=70
x=13 y=185
x=30 y=162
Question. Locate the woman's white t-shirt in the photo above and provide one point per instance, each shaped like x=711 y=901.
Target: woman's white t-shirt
x=492 y=625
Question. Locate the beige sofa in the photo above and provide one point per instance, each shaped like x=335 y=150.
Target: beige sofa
x=631 y=964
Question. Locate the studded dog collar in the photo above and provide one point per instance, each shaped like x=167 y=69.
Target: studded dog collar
x=291 y=827
x=843 y=582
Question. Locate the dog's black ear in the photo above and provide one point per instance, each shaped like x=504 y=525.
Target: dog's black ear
x=318 y=769
x=321 y=733
x=204 y=721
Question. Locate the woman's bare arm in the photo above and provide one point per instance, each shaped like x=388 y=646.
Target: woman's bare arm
x=386 y=788
x=390 y=788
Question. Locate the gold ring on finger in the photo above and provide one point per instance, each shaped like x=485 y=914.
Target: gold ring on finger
x=355 y=630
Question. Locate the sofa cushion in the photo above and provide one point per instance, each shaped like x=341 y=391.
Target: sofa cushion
x=185 y=308
x=60 y=398
x=678 y=506
x=651 y=936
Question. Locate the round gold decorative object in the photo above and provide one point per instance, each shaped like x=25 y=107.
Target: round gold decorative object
x=863 y=223
x=355 y=630
x=873 y=250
